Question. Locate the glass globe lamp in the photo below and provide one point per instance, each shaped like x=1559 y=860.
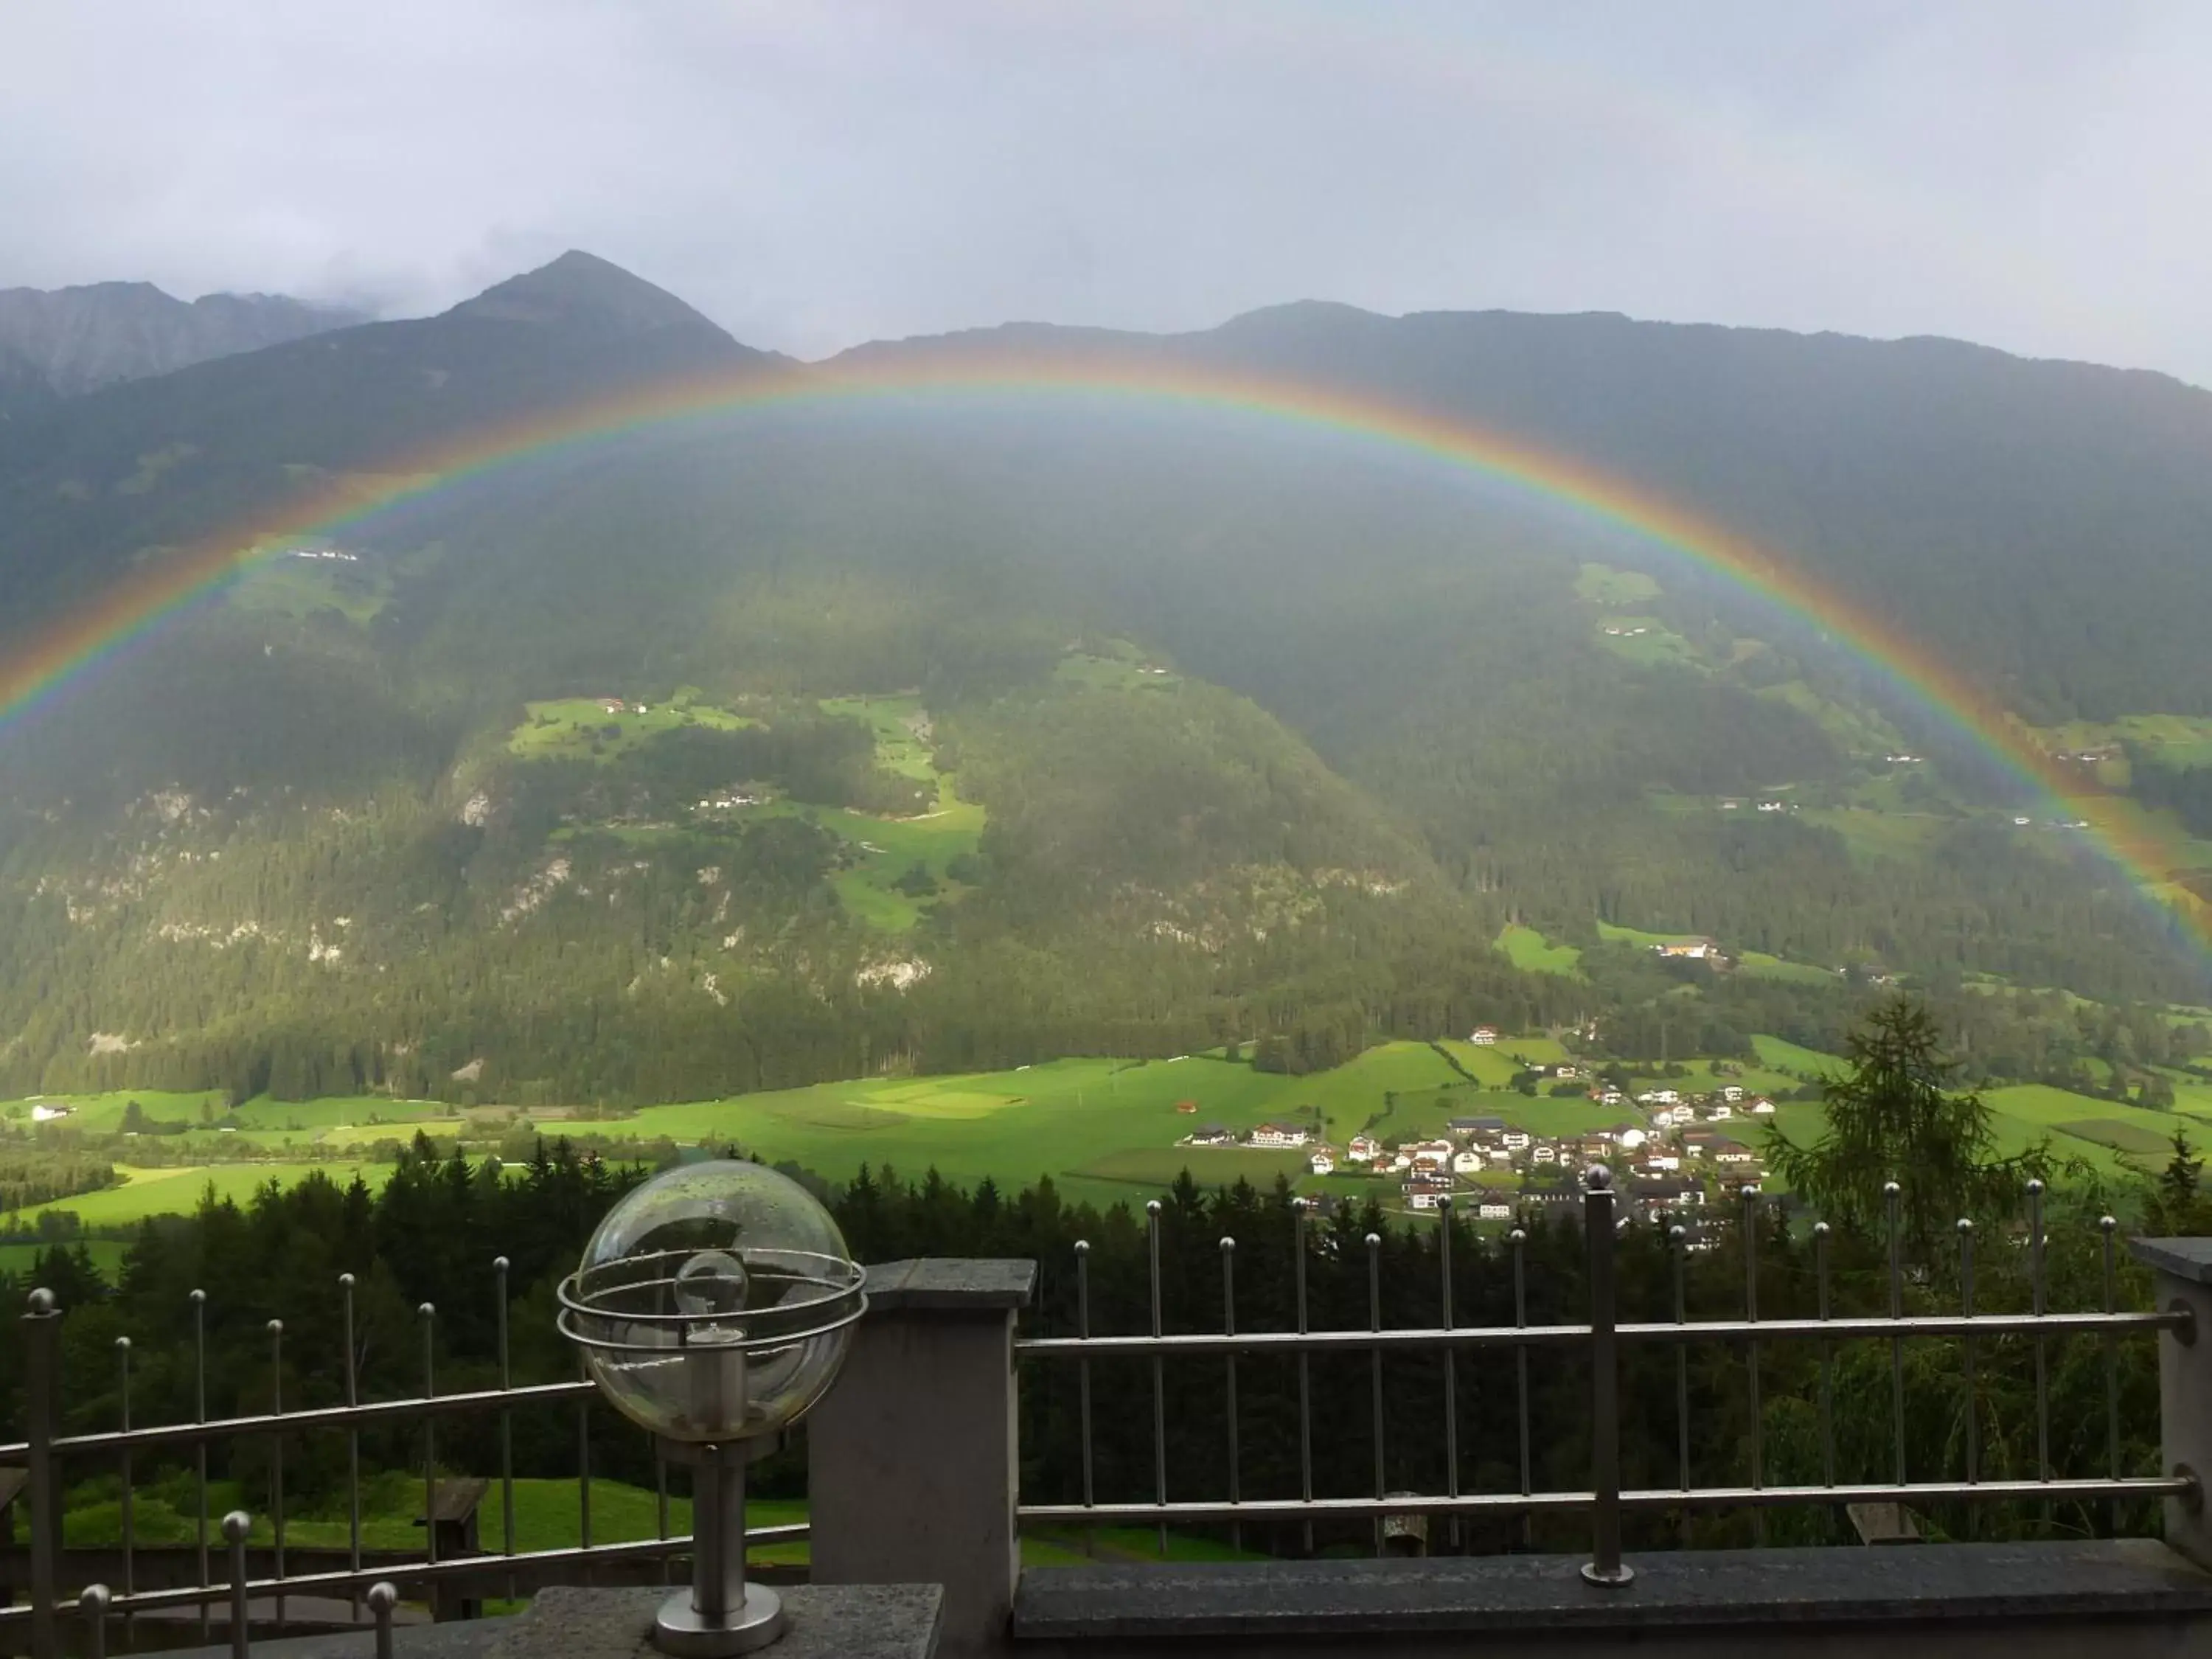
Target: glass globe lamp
x=713 y=1307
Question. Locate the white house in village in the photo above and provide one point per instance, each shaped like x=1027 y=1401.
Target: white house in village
x=1467 y=1162
x=1514 y=1140
x=1762 y=1107
x=1322 y=1163
x=46 y=1112
x=1484 y=1036
x=1493 y=1209
x=1401 y=1158
x=1281 y=1134
x=1499 y=1155
x=1545 y=1154
x=1721 y=1111
x=1663 y=1118
x=1362 y=1149
x=1630 y=1139
x=1422 y=1192
x=1731 y=1093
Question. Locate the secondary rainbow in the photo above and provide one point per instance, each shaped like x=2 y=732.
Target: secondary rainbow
x=2143 y=849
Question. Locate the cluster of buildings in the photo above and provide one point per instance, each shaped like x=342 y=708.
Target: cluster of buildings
x=737 y=798
x=1494 y=1169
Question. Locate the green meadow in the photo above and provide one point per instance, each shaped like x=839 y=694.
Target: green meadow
x=1777 y=1055
x=1125 y=671
x=1760 y=965
x=1530 y=952
x=582 y=728
x=1602 y=584
x=1648 y=642
x=178 y=1190
x=106 y=1255
x=1103 y=1130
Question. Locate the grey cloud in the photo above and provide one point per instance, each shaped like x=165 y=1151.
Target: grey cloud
x=2026 y=173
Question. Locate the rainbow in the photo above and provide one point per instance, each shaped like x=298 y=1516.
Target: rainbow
x=2144 y=851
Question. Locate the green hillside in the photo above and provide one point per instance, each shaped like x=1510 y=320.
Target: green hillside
x=952 y=733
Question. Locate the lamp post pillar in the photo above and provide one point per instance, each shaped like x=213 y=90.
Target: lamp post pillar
x=2183 y=1270
x=912 y=1463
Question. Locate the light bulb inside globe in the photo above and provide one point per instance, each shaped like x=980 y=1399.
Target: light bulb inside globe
x=712 y=1284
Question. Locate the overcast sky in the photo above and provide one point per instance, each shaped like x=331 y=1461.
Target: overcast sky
x=815 y=172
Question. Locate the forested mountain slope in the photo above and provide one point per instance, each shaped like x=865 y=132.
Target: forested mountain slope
x=962 y=728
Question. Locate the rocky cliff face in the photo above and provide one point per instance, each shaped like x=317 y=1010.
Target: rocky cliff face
x=70 y=340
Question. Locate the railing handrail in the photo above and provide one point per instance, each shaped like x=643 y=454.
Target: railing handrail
x=2085 y=1488
x=1515 y=1336
x=313 y=1417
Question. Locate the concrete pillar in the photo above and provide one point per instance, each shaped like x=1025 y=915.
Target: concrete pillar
x=912 y=1460
x=2184 y=1271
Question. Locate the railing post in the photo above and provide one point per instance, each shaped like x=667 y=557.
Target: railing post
x=1605 y=1565
x=42 y=1332
x=911 y=1457
x=235 y=1525
x=383 y=1596
x=2183 y=1268
x=94 y=1603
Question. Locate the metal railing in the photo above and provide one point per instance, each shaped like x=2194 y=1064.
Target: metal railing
x=377 y=1582
x=1600 y=1338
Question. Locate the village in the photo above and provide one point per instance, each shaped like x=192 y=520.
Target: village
x=1672 y=1151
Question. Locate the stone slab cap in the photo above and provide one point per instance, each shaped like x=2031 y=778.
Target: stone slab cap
x=953 y=1282
x=2184 y=1258
x=1529 y=1595
x=826 y=1621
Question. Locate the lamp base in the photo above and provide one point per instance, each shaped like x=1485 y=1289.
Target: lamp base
x=682 y=1630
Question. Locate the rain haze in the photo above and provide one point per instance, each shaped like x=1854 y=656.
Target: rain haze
x=2027 y=175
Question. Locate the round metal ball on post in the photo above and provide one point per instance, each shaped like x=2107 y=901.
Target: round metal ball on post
x=713 y=1307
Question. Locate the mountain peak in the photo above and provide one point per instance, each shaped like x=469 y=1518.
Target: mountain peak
x=580 y=289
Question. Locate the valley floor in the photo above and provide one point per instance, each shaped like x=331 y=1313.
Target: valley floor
x=1104 y=1131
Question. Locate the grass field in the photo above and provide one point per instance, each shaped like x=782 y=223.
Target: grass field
x=2179 y=740
x=1122 y=668
x=1494 y=1069
x=1648 y=642
x=1530 y=952
x=1602 y=584
x=102 y=1114
x=177 y=1191
x=1614 y=933
x=1760 y=965
x=107 y=1254
x=1779 y=1056
x=882 y=850
x=582 y=728
x=1099 y=1127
